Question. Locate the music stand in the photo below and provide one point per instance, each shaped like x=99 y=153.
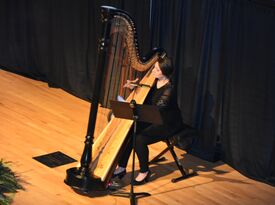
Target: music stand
x=136 y=112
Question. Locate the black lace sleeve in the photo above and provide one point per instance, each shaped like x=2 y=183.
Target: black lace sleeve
x=165 y=98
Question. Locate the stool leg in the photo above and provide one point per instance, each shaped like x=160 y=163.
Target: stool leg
x=178 y=163
x=158 y=158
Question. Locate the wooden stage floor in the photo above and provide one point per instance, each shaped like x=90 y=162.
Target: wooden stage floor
x=37 y=120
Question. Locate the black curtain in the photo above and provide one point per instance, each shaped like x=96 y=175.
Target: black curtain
x=56 y=41
x=222 y=51
x=249 y=95
x=191 y=31
x=47 y=40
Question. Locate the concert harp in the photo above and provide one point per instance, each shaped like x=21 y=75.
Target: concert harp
x=118 y=60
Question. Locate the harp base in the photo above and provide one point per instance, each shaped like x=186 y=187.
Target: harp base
x=83 y=182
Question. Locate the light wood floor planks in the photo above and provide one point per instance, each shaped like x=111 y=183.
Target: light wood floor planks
x=37 y=120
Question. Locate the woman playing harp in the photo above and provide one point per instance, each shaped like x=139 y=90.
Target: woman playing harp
x=162 y=94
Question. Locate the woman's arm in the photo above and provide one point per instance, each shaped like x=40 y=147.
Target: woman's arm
x=131 y=84
x=165 y=98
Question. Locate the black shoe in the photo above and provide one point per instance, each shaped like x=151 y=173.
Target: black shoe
x=144 y=181
x=120 y=175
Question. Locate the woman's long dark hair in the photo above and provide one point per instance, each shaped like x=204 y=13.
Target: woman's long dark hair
x=166 y=66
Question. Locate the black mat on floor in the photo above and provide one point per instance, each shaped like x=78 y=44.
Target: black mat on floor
x=54 y=159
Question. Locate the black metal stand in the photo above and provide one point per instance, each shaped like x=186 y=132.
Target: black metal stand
x=133 y=196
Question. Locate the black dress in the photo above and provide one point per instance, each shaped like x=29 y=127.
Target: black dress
x=165 y=99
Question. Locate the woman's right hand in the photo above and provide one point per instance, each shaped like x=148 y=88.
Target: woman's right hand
x=131 y=84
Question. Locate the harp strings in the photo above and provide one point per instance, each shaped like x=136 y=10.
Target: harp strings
x=118 y=68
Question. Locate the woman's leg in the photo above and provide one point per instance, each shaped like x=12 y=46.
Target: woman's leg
x=150 y=135
x=142 y=152
x=123 y=160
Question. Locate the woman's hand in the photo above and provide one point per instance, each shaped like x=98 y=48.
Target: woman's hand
x=131 y=84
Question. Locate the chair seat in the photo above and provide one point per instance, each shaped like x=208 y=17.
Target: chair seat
x=184 y=138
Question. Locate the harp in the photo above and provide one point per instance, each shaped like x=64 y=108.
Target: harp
x=118 y=60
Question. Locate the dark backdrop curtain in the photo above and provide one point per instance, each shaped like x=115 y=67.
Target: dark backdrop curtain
x=191 y=31
x=249 y=96
x=223 y=51
x=47 y=40
x=56 y=41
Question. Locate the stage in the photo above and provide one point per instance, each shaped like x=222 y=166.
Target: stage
x=38 y=120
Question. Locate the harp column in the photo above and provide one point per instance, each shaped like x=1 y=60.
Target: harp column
x=80 y=178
